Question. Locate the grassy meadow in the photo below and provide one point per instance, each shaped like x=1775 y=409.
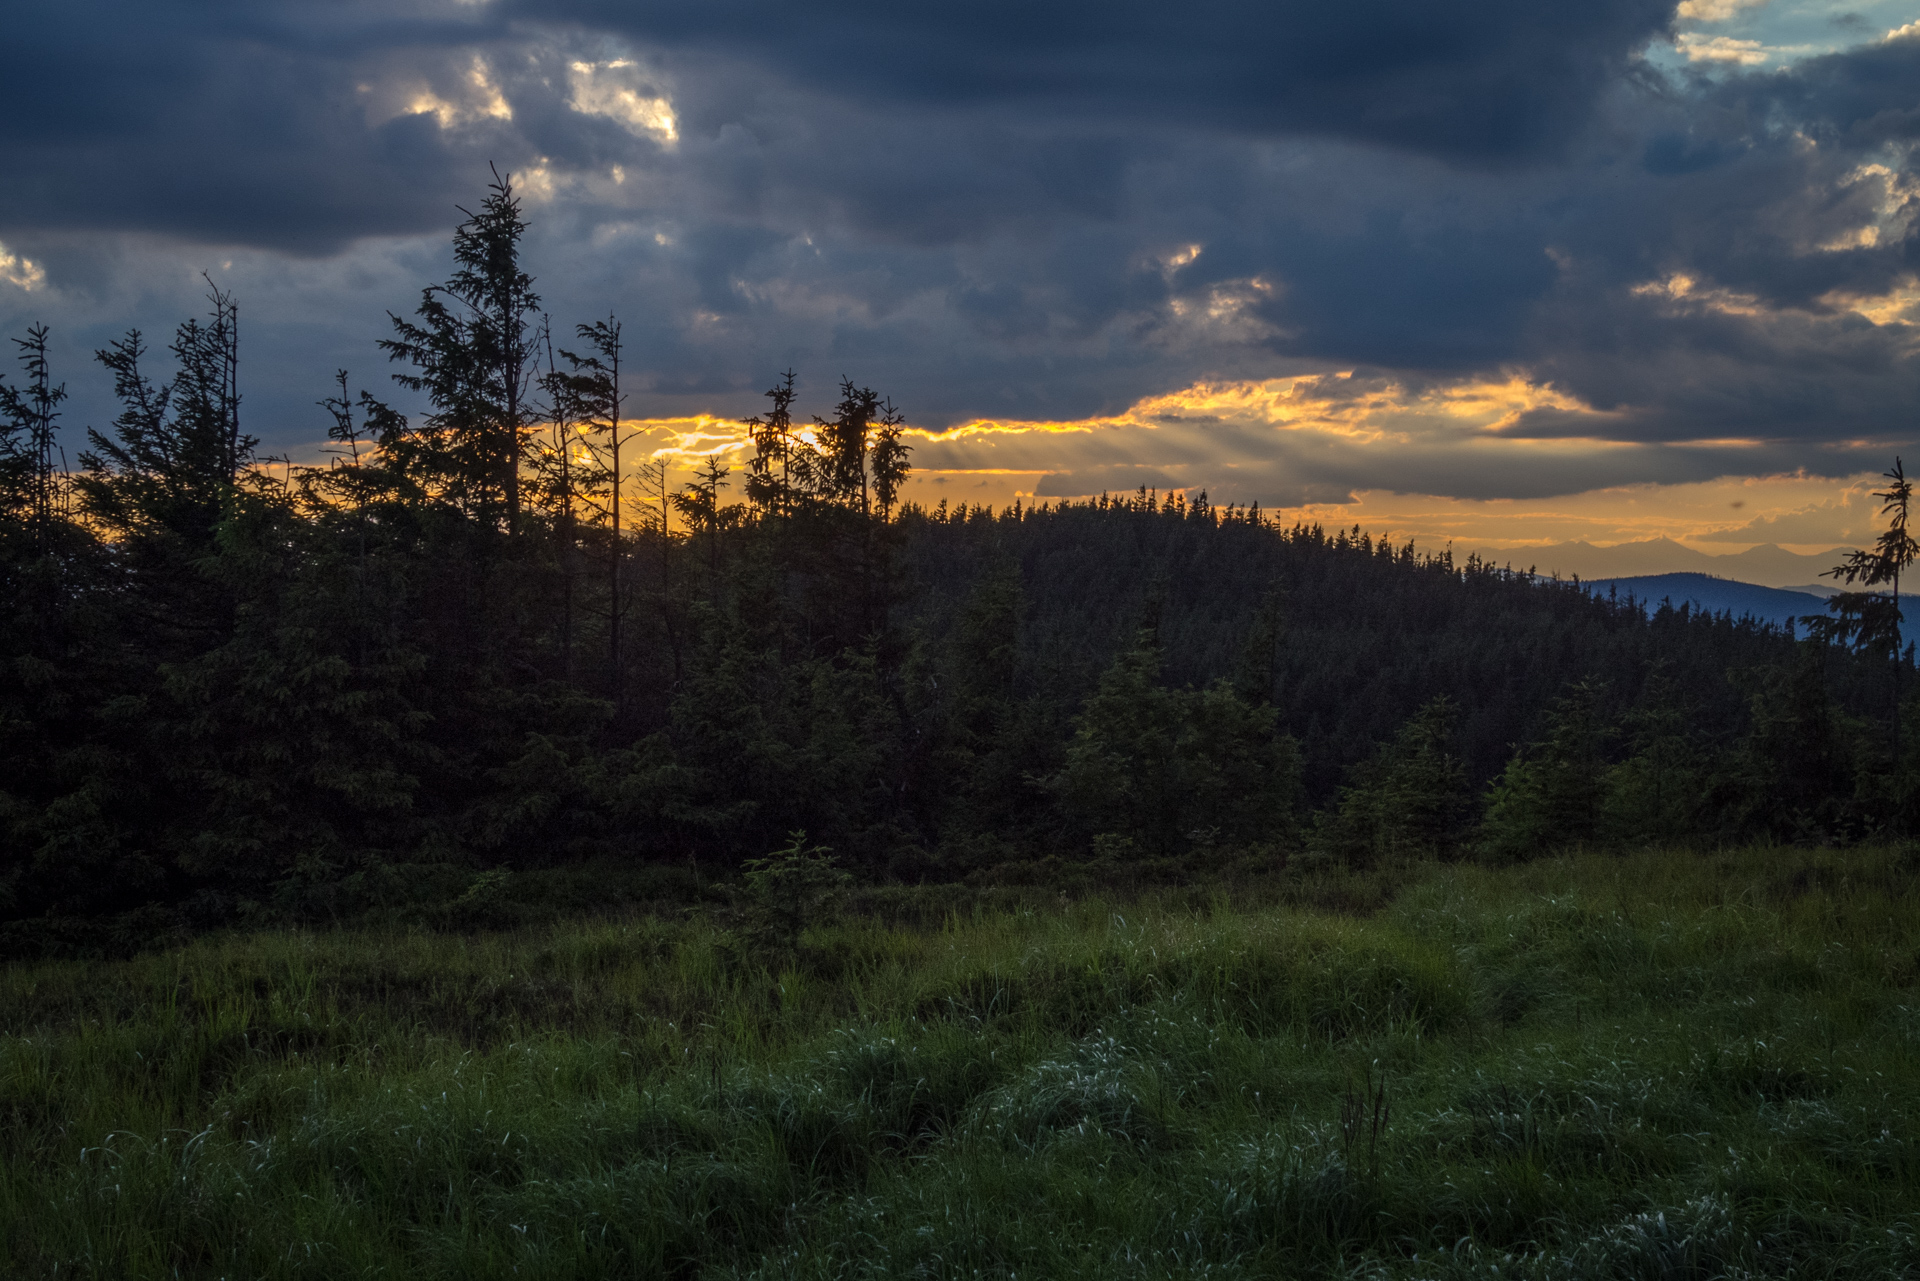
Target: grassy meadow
x=1651 y=1066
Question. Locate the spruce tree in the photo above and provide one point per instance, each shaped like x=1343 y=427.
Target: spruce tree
x=1409 y=799
x=1870 y=620
x=1163 y=770
x=1552 y=791
x=781 y=467
x=1657 y=794
x=591 y=393
x=471 y=347
x=700 y=506
x=30 y=479
x=168 y=470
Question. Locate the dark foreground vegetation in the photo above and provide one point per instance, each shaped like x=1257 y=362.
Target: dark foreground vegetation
x=485 y=641
x=481 y=857
x=1658 y=1065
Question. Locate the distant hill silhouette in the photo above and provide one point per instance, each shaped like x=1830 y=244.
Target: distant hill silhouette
x=1719 y=595
x=1767 y=564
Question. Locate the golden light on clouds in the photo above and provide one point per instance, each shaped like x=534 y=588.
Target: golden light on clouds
x=1245 y=441
x=1714 y=10
x=1891 y=196
x=1799 y=512
x=1683 y=293
x=1255 y=441
x=455 y=95
x=481 y=99
x=1376 y=411
x=1699 y=48
x=691 y=440
x=620 y=91
x=1373 y=411
x=1306 y=448
x=1171 y=264
x=1679 y=292
x=22 y=273
x=1896 y=306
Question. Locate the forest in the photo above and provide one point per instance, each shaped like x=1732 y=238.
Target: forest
x=489 y=852
x=481 y=639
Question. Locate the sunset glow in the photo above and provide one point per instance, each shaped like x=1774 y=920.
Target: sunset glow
x=1600 y=274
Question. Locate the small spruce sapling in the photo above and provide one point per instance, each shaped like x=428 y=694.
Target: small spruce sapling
x=789 y=889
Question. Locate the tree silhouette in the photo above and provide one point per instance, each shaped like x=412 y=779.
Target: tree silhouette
x=589 y=394
x=263 y=694
x=780 y=467
x=1870 y=621
x=31 y=477
x=699 y=504
x=176 y=452
x=473 y=354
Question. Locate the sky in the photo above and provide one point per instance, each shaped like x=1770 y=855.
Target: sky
x=1498 y=273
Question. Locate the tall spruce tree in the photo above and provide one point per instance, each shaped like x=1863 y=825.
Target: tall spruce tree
x=699 y=505
x=591 y=394
x=472 y=350
x=571 y=480
x=30 y=479
x=781 y=467
x=168 y=470
x=1870 y=620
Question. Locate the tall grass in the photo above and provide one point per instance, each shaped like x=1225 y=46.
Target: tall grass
x=1666 y=1065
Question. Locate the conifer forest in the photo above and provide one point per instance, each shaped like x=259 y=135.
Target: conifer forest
x=487 y=853
x=486 y=637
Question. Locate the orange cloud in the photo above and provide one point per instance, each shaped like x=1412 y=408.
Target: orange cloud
x=1800 y=512
x=1343 y=448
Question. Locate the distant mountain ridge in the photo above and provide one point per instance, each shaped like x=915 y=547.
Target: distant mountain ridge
x=1768 y=565
x=1775 y=605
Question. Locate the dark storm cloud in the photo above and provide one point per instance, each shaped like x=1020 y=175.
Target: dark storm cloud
x=233 y=123
x=1448 y=298
x=1481 y=80
x=1763 y=228
x=1777 y=175
x=1859 y=98
x=1043 y=211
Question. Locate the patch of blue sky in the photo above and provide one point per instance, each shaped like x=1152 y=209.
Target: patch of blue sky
x=1736 y=35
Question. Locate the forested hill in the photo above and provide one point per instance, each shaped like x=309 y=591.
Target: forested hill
x=485 y=637
x=1349 y=636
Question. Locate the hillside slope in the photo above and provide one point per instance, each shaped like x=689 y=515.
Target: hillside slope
x=1780 y=606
